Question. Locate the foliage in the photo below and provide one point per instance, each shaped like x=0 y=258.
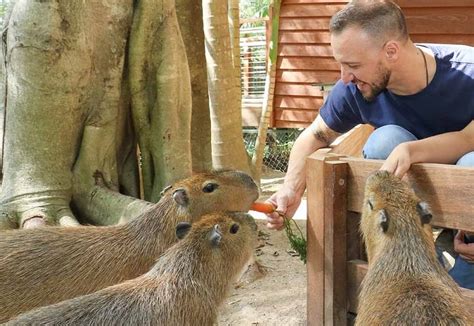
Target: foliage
x=297 y=241
x=254 y=8
x=3 y=9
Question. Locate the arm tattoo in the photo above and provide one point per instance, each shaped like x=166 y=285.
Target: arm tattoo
x=322 y=136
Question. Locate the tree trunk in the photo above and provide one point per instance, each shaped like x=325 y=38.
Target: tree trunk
x=234 y=31
x=70 y=85
x=267 y=105
x=161 y=95
x=59 y=77
x=228 y=149
x=193 y=37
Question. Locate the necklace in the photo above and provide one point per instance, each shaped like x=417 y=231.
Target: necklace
x=426 y=66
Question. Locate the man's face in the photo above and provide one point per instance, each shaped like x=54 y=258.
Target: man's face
x=362 y=61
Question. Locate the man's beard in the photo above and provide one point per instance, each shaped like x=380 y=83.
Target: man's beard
x=377 y=87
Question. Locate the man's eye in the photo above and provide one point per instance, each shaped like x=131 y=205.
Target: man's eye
x=353 y=66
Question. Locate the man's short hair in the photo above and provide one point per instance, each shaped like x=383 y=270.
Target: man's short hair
x=380 y=19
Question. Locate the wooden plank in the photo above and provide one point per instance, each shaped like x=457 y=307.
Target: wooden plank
x=292 y=24
x=447 y=188
x=307 y=76
x=356 y=271
x=335 y=246
x=433 y=3
x=303 y=50
x=299 y=102
x=352 y=142
x=308 y=63
x=309 y=10
x=326 y=268
x=444 y=38
x=315 y=237
x=317 y=1
x=304 y=37
x=430 y=21
x=440 y=20
x=401 y=3
x=297 y=89
x=295 y=115
x=355 y=248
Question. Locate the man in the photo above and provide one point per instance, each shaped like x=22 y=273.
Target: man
x=420 y=99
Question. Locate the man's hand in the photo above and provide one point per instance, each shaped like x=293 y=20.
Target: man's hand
x=465 y=250
x=286 y=202
x=399 y=161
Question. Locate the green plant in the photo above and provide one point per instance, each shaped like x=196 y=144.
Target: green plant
x=297 y=241
x=254 y=8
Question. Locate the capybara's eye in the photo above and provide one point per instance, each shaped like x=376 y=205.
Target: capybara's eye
x=234 y=228
x=370 y=204
x=210 y=187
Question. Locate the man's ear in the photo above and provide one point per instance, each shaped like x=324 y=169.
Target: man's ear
x=392 y=50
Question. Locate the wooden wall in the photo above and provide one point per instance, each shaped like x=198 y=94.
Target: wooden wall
x=305 y=56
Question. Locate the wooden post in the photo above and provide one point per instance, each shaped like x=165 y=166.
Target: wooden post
x=326 y=233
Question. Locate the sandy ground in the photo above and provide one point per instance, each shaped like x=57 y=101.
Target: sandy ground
x=278 y=296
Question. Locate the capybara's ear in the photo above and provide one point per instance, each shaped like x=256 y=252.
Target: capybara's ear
x=182 y=229
x=215 y=235
x=180 y=197
x=383 y=220
x=425 y=213
x=369 y=203
x=165 y=189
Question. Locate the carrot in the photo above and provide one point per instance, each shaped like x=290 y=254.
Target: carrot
x=266 y=208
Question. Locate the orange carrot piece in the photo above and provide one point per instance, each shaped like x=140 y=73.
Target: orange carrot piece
x=266 y=208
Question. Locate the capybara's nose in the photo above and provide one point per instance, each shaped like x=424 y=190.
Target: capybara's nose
x=181 y=197
x=248 y=180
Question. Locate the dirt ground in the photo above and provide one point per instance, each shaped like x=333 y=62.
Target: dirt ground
x=277 y=297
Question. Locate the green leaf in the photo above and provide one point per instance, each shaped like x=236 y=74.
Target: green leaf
x=297 y=242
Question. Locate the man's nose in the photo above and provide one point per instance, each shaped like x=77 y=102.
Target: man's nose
x=346 y=75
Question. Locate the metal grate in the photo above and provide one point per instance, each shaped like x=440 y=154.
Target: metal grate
x=278 y=146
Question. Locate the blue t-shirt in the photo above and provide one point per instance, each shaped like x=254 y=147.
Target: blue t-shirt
x=446 y=104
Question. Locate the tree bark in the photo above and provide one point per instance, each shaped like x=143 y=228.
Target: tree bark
x=234 y=31
x=63 y=73
x=70 y=85
x=267 y=105
x=228 y=149
x=189 y=13
x=161 y=95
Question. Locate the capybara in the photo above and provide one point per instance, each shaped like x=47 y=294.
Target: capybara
x=185 y=287
x=43 y=266
x=405 y=283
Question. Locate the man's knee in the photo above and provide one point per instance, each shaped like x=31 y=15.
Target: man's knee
x=384 y=139
x=466 y=160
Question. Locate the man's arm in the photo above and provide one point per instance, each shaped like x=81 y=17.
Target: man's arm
x=288 y=197
x=465 y=250
x=444 y=148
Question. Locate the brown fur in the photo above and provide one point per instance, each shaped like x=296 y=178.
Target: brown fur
x=405 y=283
x=44 y=266
x=185 y=287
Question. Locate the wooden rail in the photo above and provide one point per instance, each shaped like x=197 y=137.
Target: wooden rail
x=335 y=187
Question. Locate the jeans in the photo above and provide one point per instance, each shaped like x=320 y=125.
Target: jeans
x=379 y=146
